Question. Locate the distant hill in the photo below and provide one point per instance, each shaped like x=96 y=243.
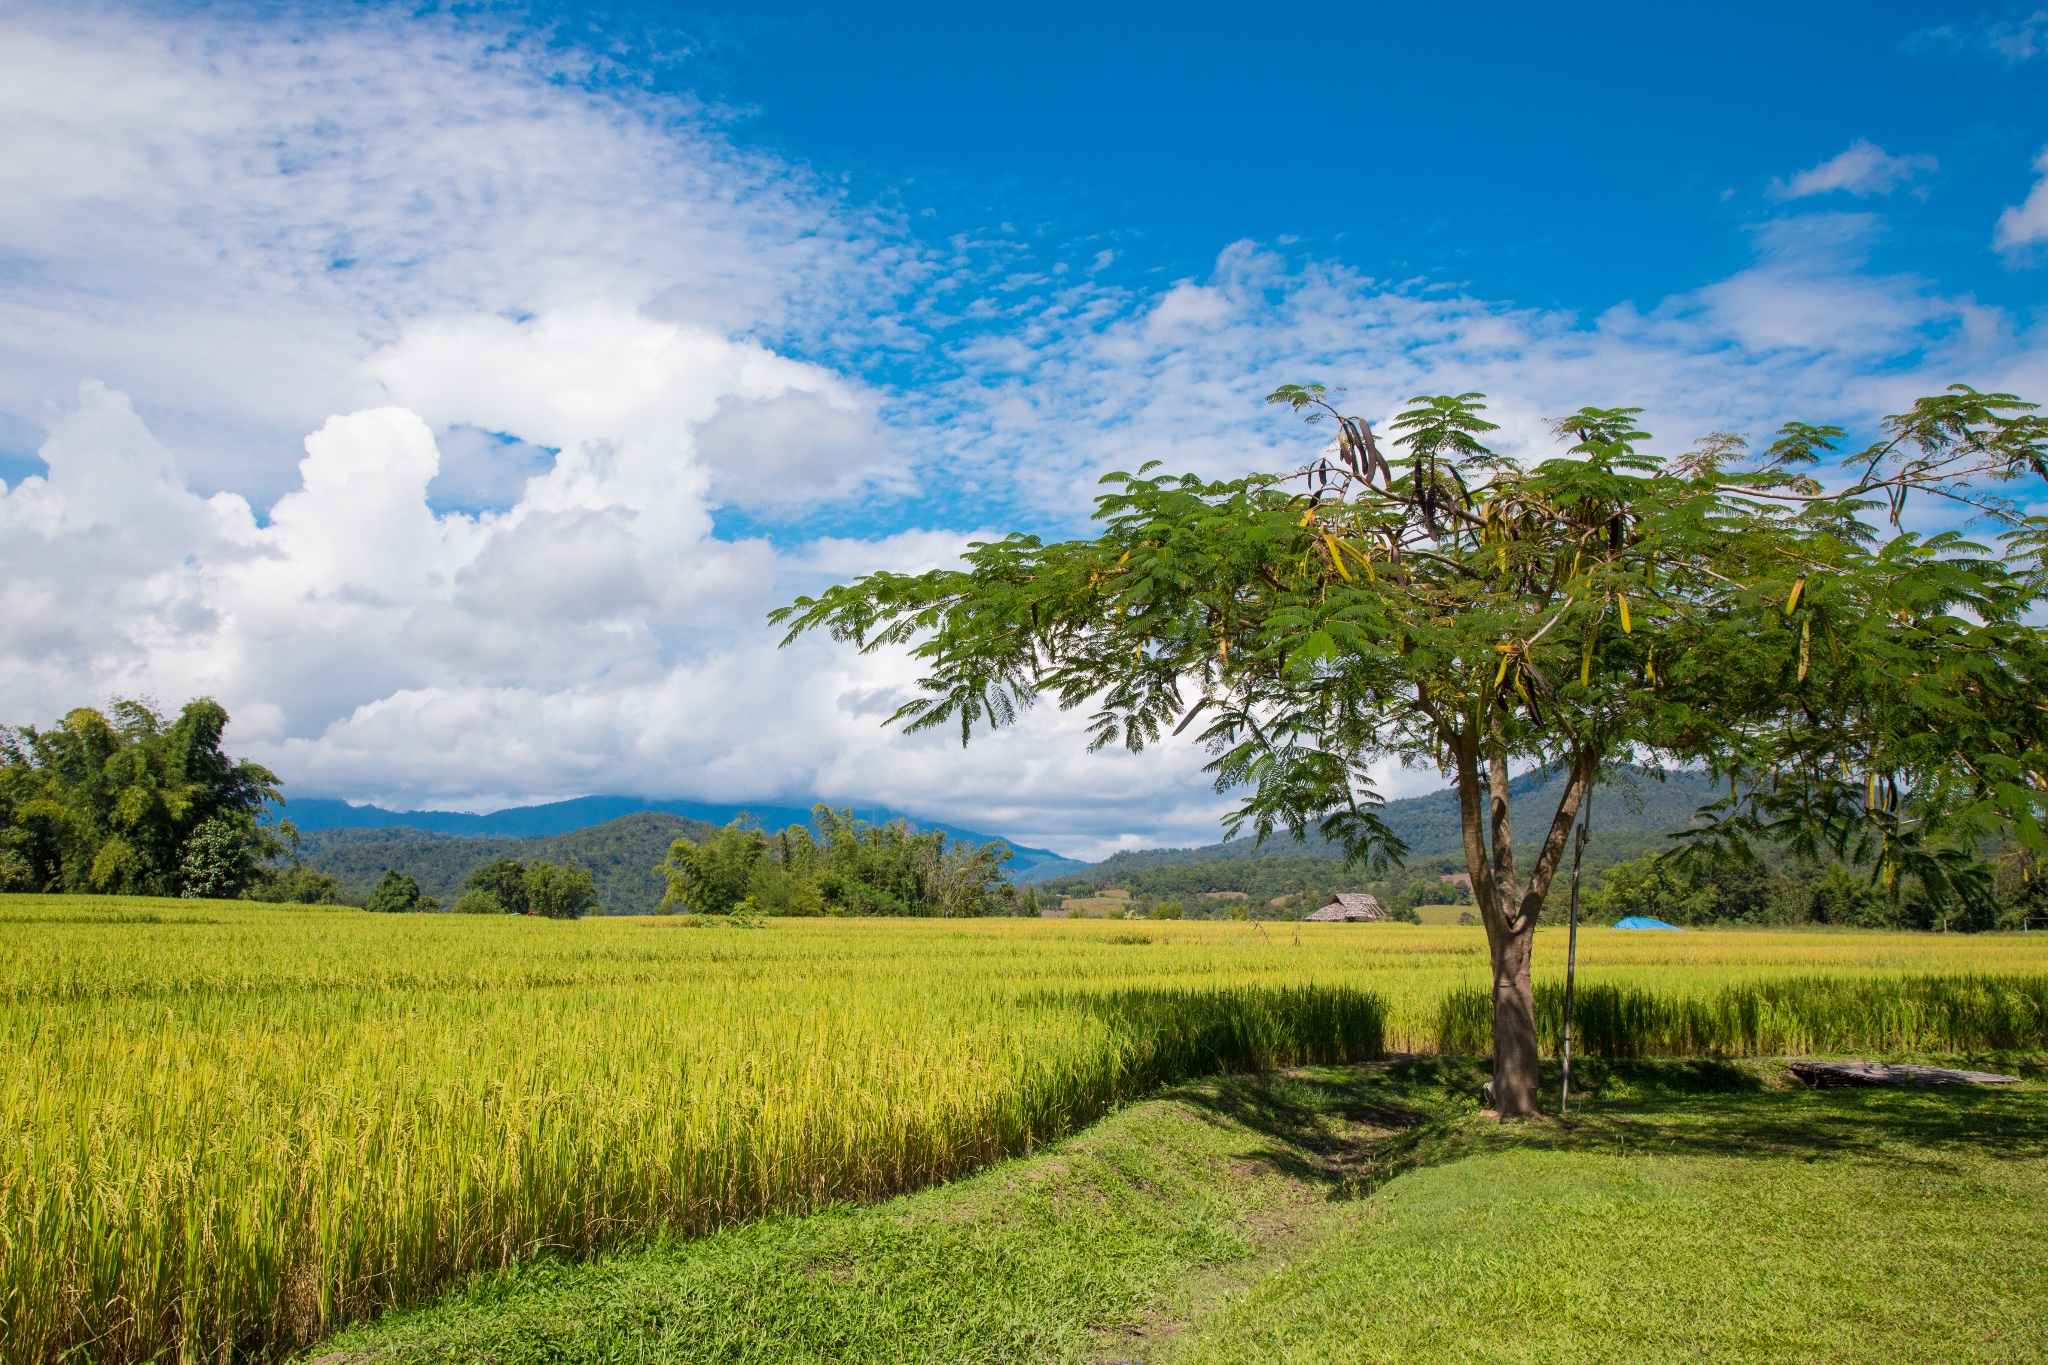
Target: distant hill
x=618 y=854
x=1632 y=812
x=583 y=812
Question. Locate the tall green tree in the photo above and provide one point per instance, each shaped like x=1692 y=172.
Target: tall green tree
x=127 y=802
x=1433 y=602
x=504 y=881
x=398 y=894
x=716 y=875
x=559 y=892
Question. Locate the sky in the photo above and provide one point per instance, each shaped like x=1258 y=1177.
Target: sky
x=452 y=391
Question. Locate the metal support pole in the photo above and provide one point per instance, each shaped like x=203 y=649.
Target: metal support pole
x=1571 y=956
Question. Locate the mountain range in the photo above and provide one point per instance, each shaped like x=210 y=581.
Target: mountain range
x=620 y=838
x=1632 y=810
x=314 y=814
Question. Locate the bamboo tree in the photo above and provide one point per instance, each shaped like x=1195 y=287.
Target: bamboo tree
x=1431 y=601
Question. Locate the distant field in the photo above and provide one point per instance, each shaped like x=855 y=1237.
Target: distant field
x=231 y=1123
x=1095 y=906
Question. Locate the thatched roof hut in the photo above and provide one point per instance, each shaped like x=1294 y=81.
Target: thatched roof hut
x=1350 y=908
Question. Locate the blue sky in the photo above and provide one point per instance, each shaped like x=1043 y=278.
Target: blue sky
x=1561 y=157
x=452 y=391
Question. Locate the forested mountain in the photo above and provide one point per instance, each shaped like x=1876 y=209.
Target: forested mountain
x=849 y=867
x=1631 y=811
x=585 y=812
x=619 y=855
x=1632 y=817
x=620 y=852
x=1632 y=814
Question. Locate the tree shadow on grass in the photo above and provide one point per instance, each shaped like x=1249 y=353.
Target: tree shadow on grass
x=1348 y=1130
x=1345 y=1130
x=1915 y=1125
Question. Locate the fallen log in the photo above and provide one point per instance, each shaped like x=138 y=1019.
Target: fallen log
x=1891 y=1073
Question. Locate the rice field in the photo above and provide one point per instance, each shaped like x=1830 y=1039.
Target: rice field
x=231 y=1128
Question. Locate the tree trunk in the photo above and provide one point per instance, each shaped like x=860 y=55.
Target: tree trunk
x=1516 y=1067
x=1510 y=911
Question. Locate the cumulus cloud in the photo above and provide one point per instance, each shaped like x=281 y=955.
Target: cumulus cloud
x=220 y=218
x=374 y=647
x=1862 y=170
x=541 y=334
x=2025 y=225
x=792 y=448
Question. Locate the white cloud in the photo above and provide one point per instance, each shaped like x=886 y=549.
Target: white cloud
x=573 y=325
x=2009 y=40
x=221 y=218
x=2025 y=224
x=1862 y=170
x=793 y=448
x=1803 y=332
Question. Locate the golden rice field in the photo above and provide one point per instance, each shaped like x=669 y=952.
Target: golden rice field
x=230 y=1128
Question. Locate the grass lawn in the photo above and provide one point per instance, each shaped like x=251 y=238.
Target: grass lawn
x=1695 y=1210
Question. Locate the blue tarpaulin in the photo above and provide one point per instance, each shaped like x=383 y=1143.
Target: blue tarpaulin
x=1645 y=922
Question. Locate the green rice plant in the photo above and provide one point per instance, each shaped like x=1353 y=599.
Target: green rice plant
x=230 y=1128
x=1788 y=1016
x=234 y=1173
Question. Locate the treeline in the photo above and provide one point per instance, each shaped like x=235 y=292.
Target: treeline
x=2003 y=891
x=618 y=854
x=1260 y=879
x=127 y=802
x=838 y=865
x=1286 y=886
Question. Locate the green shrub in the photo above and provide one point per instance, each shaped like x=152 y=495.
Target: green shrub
x=297 y=885
x=477 y=901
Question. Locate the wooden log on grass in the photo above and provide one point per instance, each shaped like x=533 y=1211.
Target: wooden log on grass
x=1889 y=1073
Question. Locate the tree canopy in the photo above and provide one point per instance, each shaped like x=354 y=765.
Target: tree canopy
x=507 y=886
x=127 y=802
x=1434 y=602
x=837 y=865
x=398 y=894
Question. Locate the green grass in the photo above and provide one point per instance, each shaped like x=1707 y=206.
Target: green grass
x=1696 y=1210
x=1875 y=1225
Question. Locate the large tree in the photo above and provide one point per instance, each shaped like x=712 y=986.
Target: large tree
x=132 y=803
x=1428 y=600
